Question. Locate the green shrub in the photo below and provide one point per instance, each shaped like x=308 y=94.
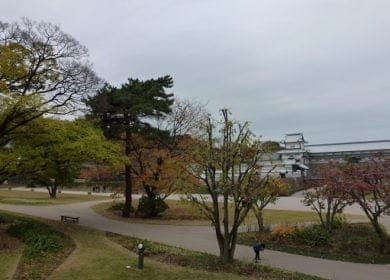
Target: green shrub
x=39 y=238
x=314 y=235
x=356 y=239
x=151 y=206
x=356 y=242
x=117 y=206
x=339 y=222
x=3 y=220
x=39 y=243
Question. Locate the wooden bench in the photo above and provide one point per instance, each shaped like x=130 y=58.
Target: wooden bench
x=65 y=219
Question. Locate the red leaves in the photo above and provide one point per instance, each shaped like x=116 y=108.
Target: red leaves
x=328 y=180
x=368 y=180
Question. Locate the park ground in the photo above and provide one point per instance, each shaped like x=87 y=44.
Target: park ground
x=201 y=238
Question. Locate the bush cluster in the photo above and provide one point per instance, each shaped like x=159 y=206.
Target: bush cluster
x=355 y=242
x=151 y=206
x=357 y=239
x=314 y=235
x=282 y=233
x=117 y=206
x=39 y=238
x=339 y=222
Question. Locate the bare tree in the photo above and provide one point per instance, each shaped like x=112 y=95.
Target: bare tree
x=185 y=118
x=43 y=70
x=226 y=165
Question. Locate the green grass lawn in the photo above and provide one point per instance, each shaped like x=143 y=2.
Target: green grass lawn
x=170 y=255
x=42 y=198
x=91 y=255
x=96 y=257
x=287 y=217
x=179 y=213
x=44 y=248
x=184 y=213
x=10 y=252
x=9 y=260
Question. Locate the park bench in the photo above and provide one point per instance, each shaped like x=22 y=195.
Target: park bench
x=65 y=219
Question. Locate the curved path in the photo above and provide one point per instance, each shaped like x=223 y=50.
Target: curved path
x=202 y=238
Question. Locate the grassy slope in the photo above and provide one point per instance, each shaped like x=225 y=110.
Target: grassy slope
x=96 y=257
x=9 y=261
x=34 y=259
x=10 y=251
x=205 y=262
x=40 y=198
x=183 y=213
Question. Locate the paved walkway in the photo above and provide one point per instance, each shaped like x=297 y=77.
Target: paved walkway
x=202 y=238
x=283 y=203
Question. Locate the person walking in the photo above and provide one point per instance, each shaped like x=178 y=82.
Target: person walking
x=257 y=247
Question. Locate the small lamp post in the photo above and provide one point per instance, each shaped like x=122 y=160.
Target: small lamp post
x=141 y=249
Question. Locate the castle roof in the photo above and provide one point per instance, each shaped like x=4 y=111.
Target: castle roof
x=377 y=145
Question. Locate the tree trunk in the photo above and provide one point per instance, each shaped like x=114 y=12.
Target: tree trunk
x=233 y=242
x=128 y=192
x=226 y=243
x=52 y=191
x=150 y=192
x=128 y=181
x=259 y=218
x=225 y=256
x=381 y=234
x=224 y=251
x=227 y=246
x=328 y=222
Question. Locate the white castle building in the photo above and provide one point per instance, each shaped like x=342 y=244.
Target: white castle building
x=296 y=157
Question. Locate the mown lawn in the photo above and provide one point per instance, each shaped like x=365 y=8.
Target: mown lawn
x=96 y=257
x=182 y=212
x=42 y=198
x=9 y=261
x=10 y=252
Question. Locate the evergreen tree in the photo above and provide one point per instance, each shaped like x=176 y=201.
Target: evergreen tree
x=129 y=110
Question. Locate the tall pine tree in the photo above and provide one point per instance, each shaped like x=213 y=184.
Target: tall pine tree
x=129 y=110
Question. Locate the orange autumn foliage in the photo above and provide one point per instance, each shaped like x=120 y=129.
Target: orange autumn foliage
x=158 y=166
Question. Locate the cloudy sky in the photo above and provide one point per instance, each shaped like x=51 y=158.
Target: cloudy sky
x=319 y=67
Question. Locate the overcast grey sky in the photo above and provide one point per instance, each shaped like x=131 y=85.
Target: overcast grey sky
x=321 y=67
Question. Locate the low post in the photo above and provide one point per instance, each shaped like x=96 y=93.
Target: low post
x=141 y=250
